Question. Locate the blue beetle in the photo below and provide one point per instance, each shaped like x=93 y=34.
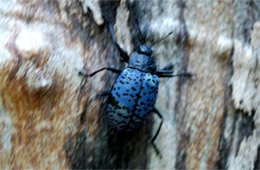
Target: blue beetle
x=134 y=93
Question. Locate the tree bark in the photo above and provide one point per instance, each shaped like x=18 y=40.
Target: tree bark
x=50 y=117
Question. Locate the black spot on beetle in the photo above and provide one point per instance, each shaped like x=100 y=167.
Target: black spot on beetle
x=134 y=89
x=117 y=94
x=125 y=94
x=121 y=82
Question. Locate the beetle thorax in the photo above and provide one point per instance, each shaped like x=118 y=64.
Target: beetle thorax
x=142 y=62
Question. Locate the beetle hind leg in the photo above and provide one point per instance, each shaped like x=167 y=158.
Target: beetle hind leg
x=156 y=111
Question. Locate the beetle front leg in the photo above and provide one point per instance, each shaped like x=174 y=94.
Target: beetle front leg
x=166 y=70
x=168 y=67
x=156 y=111
x=121 y=51
x=83 y=73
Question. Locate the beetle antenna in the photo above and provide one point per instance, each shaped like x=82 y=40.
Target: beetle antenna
x=139 y=30
x=162 y=38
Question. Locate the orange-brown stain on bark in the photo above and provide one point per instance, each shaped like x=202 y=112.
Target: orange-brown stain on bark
x=38 y=121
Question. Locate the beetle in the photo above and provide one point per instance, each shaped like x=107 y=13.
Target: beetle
x=134 y=92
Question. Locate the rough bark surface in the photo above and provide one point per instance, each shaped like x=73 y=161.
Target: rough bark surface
x=50 y=117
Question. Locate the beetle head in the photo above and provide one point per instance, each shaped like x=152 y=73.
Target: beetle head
x=145 y=49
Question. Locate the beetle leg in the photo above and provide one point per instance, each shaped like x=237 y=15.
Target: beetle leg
x=103 y=94
x=168 y=67
x=186 y=74
x=166 y=70
x=121 y=51
x=83 y=73
x=156 y=111
x=160 y=72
